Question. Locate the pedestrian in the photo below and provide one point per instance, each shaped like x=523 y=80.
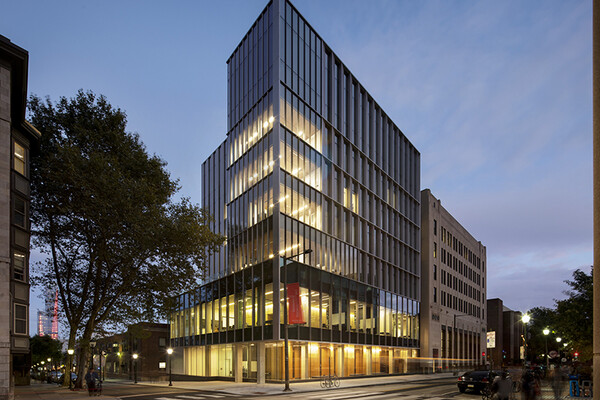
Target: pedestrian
x=502 y=386
x=558 y=378
x=529 y=386
x=90 y=381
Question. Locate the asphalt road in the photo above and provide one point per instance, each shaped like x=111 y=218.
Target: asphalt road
x=440 y=389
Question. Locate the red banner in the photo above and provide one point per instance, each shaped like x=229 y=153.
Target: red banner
x=295 y=307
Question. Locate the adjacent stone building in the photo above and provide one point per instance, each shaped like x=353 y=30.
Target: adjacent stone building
x=148 y=340
x=508 y=329
x=17 y=140
x=453 y=289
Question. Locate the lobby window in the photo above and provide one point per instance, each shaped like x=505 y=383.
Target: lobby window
x=20 y=160
x=20 y=327
x=19 y=266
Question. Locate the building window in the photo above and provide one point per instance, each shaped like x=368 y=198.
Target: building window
x=20 y=319
x=162 y=342
x=19 y=266
x=20 y=159
x=435 y=295
x=434 y=272
x=435 y=250
x=19 y=213
x=435 y=227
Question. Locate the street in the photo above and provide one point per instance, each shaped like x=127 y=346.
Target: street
x=438 y=389
x=400 y=387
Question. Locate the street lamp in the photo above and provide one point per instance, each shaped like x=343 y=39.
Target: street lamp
x=70 y=352
x=169 y=352
x=525 y=318
x=285 y=317
x=546 y=333
x=135 y=357
x=92 y=345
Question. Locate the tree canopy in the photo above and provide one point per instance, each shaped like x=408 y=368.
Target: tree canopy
x=570 y=319
x=44 y=347
x=117 y=244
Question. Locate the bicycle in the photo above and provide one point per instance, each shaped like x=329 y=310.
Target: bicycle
x=329 y=381
x=486 y=392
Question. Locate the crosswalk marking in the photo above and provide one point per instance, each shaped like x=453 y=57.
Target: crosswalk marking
x=199 y=396
x=337 y=394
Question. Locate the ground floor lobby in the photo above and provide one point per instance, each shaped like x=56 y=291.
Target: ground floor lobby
x=264 y=361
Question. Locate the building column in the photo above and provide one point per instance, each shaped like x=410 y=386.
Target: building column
x=369 y=368
x=260 y=361
x=237 y=363
x=391 y=361
x=339 y=359
x=303 y=361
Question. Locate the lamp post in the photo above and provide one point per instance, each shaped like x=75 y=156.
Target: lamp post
x=525 y=318
x=70 y=352
x=135 y=357
x=285 y=317
x=92 y=345
x=169 y=352
x=546 y=333
x=103 y=367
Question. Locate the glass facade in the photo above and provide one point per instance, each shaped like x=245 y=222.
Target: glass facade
x=310 y=162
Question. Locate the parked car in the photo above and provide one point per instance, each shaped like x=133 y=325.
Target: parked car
x=476 y=380
x=73 y=378
x=54 y=376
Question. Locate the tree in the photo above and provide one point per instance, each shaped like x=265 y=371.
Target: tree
x=574 y=319
x=117 y=245
x=44 y=347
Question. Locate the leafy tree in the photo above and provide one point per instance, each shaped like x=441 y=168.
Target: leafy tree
x=44 y=347
x=541 y=318
x=117 y=245
x=575 y=314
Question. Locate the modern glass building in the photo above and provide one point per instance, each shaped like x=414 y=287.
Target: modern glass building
x=310 y=162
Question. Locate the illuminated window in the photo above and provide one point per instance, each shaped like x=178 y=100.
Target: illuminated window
x=19 y=158
x=19 y=266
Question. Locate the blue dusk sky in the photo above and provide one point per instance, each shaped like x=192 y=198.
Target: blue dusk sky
x=496 y=95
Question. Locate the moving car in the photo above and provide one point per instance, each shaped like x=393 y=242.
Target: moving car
x=476 y=380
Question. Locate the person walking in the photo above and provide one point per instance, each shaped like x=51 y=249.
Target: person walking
x=502 y=386
x=90 y=380
x=558 y=378
x=529 y=386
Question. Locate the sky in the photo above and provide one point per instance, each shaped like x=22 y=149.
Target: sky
x=496 y=96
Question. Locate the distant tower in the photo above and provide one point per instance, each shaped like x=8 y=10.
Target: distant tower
x=43 y=323
x=48 y=319
x=54 y=332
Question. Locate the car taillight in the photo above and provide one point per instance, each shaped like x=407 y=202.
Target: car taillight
x=484 y=380
x=462 y=378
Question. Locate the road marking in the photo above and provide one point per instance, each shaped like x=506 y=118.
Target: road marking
x=338 y=394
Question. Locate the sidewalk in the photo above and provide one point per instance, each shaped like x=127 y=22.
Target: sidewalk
x=44 y=391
